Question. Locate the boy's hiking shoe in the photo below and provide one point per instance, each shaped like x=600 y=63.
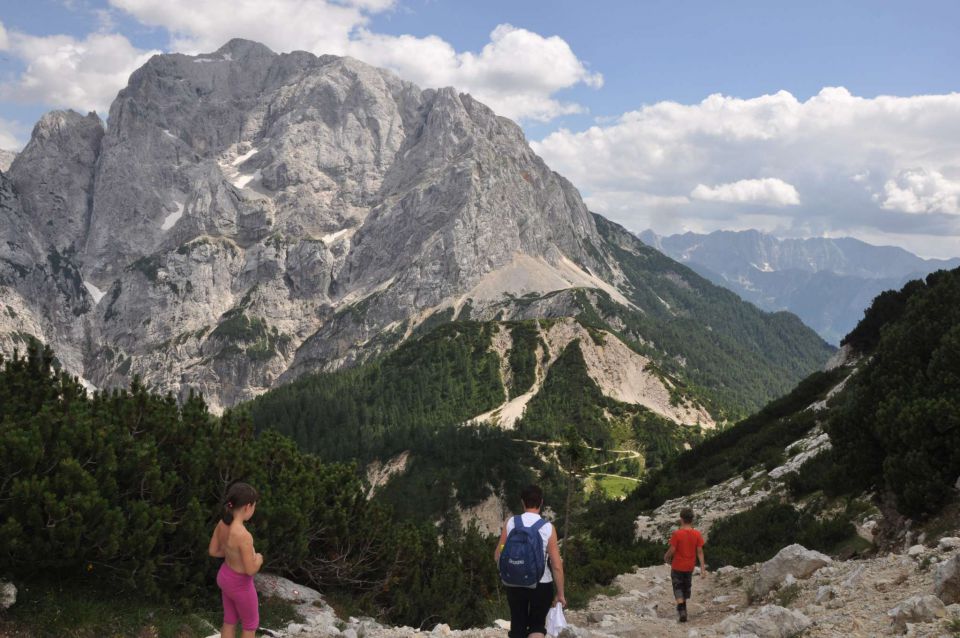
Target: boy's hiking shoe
x=682 y=613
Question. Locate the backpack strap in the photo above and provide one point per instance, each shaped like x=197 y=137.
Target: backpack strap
x=518 y=522
x=535 y=528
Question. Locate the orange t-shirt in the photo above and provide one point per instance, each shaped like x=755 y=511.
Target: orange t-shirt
x=685 y=542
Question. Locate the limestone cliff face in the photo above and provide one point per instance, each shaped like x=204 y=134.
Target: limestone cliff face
x=247 y=215
x=54 y=176
x=41 y=292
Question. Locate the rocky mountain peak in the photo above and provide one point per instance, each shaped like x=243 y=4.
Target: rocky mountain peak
x=243 y=50
x=54 y=176
x=246 y=184
x=248 y=216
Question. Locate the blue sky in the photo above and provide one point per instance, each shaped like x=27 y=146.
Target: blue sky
x=614 y=95
x=684 y=51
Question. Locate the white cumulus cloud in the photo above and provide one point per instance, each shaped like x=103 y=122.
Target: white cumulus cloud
x=770 y=191
x=65 y=72
x=282 y=25
x=516 y=73
x=865 y=166
x=921 y=191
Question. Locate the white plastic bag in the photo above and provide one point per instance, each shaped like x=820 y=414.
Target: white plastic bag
x=555 y=620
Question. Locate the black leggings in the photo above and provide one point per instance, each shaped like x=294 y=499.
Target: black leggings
x=528 y=609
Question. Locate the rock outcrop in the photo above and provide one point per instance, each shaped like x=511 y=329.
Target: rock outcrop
x=8 y=595
x=946 y=583
x=54 y=177
x=917 y=609
x=41 y=291
x=770 y=621
x=266 y=192
x=794 y=561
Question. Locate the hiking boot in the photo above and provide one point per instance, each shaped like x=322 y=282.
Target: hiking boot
x=683 y=615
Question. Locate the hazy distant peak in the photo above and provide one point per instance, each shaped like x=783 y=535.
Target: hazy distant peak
x=827 y=282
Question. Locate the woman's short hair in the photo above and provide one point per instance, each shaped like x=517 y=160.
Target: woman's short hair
x=532 y=496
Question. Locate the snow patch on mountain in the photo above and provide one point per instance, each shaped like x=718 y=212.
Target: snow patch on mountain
x=95 y=292
x=333 y=238
x=243 y=158
x=170 y=220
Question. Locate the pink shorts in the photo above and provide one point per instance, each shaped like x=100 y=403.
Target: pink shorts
x=239 y=598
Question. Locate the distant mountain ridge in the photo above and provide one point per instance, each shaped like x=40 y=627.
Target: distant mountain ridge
x=827 y=282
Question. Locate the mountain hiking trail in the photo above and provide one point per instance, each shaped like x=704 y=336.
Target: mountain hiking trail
x=588 y=470
x=912 y=593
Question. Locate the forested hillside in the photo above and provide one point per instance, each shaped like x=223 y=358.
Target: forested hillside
x=118 y=493
x=891 y=416
x=734 y=359
x=378 y=409
x=893 y=425
x=115 y=494
x=419 y=399
x=733 y=356
x=898 y=425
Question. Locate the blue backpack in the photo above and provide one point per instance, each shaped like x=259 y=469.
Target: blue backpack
x=522 y=560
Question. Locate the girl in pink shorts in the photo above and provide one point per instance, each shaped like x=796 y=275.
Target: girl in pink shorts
x=232 y=542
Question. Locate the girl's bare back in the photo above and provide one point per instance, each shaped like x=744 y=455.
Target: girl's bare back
x=236 y=541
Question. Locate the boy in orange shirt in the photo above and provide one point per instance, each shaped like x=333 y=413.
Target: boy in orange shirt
x=686 y=544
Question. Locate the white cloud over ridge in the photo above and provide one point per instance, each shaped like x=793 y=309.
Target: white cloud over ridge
x=282 y=25
x=66 y=72
x=881 y=167
x=517 y=73
x=885 y=166
x=769 y=191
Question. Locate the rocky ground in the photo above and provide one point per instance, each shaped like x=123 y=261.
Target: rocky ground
x=913 y=591
x=738 y=494
x=798 y=592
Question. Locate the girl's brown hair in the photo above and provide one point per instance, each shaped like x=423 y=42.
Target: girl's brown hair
x=238 y=495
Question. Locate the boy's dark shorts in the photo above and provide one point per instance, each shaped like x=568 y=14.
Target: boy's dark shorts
x=681 y=582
